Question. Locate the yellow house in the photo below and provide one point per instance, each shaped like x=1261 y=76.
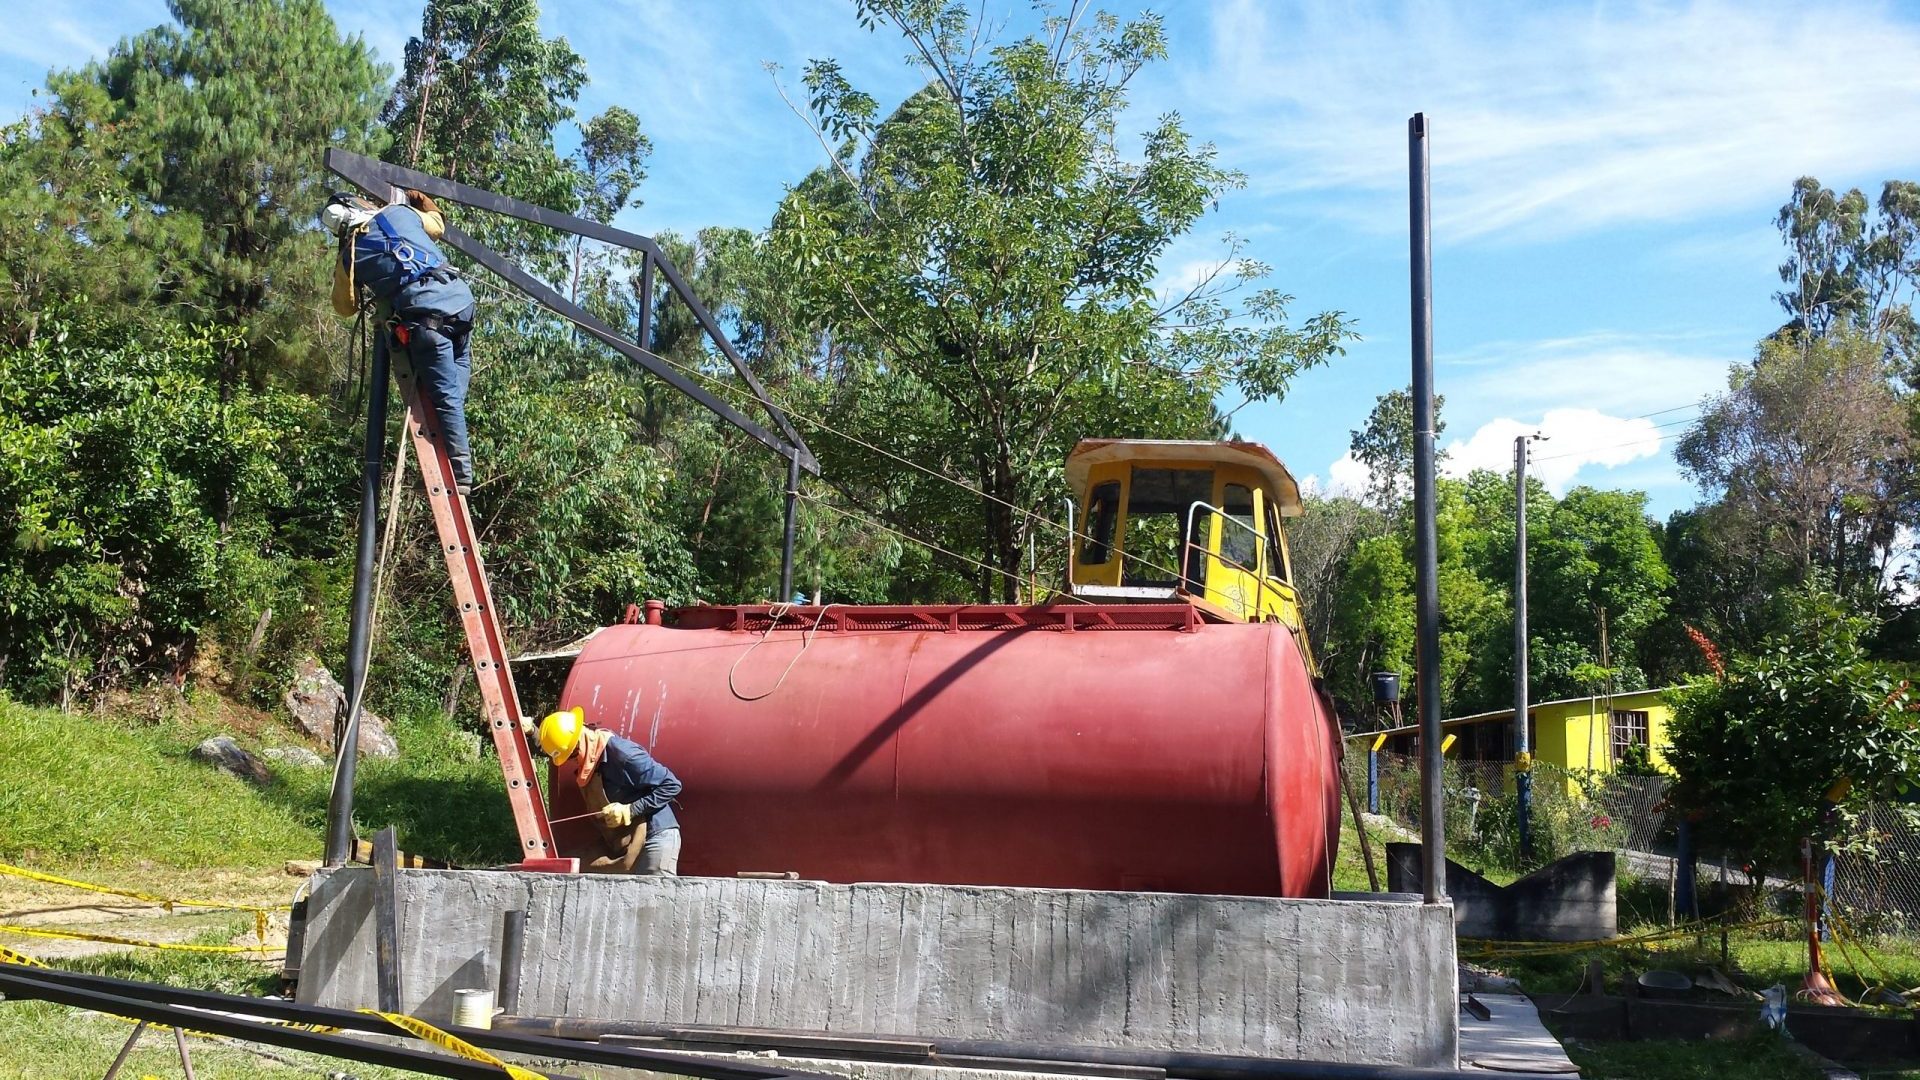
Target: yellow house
x=1572 y=733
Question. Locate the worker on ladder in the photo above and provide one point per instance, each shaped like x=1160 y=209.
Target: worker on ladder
x=389 y=254
x=632 y=791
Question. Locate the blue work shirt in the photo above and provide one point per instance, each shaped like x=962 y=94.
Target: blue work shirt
x=630 y=775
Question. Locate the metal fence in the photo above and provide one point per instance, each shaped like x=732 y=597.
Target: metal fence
x=1572 y=810
x=1875 y=878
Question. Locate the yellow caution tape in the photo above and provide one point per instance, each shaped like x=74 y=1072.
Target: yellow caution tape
x=167 y=902
x=109 y=939
x=21 y=958
x=1486 y=948
x=422 y=1029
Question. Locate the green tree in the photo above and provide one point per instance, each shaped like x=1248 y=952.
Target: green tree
x=1385 y=447
x=1763 y=747
x=1372 y=620
x=1811 y=454
x=223 y=117
x=609 y=166
x=1853 y=266
x=72 y=232
x=117 y=453
x=478 y=100
x=985 y=257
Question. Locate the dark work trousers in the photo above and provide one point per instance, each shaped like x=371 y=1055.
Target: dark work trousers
x=443 y=362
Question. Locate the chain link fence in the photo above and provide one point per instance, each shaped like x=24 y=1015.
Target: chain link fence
x=1572 y=811
x=1875 y=877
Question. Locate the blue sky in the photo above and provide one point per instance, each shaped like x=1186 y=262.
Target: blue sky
x=1605 y=176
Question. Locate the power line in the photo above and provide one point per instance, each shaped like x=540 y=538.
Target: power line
x=883 y=527
x=1630 y=442
x=727 y=387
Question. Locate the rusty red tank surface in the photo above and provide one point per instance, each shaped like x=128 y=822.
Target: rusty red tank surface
x=1135 y=747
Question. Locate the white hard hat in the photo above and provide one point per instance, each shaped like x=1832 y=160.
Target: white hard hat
x=339 y=215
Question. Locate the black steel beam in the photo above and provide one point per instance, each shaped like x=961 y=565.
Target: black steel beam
x=371 y=174
x=531 y=1045
x=42 y=984
x=1176 y=1064
x=551 y=299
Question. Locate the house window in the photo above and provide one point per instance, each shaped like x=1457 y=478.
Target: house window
x=1629 y=729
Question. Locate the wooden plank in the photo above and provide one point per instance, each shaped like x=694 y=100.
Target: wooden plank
x=386 y=918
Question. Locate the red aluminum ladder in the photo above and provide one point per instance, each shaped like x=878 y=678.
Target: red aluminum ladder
x=485 y=643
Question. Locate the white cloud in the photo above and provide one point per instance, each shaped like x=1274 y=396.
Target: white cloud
x=1558 y=119
x=1621 y=374
x=1575 y=439
x=1348 y=476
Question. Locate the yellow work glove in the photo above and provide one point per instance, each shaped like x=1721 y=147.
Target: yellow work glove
x=616 y=815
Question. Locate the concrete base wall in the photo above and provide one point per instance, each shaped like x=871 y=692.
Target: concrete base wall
x=1332 y=980
x=1569 y=899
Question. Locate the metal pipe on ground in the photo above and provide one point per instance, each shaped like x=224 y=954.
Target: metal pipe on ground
x=190 y=1002
x=959 y=1052
x=32 y=984
x=802 y=1050
x=1425 y=541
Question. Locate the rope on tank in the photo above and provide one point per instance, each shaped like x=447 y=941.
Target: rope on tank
x=775 y=613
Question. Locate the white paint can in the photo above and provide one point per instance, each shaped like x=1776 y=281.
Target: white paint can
x=473 y=1008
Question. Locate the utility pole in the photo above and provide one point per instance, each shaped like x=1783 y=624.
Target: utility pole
x=1522 y=747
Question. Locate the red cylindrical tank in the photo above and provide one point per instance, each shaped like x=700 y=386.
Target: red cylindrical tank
x=1114 y=747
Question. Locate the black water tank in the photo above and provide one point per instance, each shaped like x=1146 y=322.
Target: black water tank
x=1386 y=687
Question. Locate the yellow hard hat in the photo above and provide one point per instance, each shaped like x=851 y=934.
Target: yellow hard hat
x=560 y=734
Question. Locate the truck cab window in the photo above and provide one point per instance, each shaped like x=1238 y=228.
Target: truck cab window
x=1276 y=563
x=1103 y=514
x=1239 y=540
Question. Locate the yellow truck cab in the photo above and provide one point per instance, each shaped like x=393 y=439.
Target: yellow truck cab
x=1165 y=519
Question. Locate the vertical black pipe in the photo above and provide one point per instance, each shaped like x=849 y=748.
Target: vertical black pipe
x=1523 y=750
x=1425 y=570
x=513 y=945
x=646 y=301
x=347 y=735
x=786 y=544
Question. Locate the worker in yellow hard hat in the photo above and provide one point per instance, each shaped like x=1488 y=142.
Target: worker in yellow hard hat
x=632 y=792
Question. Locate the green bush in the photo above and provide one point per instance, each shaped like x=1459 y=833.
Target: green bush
x=1569 y=815
x=1793 y=741
x=135 y=494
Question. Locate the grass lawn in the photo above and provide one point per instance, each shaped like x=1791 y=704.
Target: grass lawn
x=116 y=800
x=98 y=794
x=1766 y=1058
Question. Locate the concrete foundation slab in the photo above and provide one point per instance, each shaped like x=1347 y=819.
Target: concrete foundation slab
x=1354 y=981
x=1513 y=1041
